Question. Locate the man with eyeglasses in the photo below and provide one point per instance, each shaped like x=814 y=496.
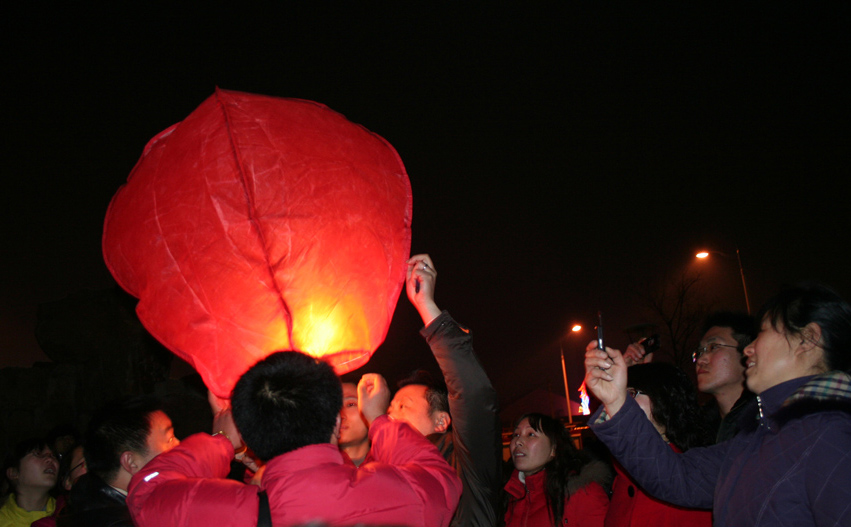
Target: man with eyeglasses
x=719 y=368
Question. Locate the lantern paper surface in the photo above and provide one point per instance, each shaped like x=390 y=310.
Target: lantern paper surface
x=261 y=224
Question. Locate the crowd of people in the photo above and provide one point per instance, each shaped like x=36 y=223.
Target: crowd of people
x=295 y=446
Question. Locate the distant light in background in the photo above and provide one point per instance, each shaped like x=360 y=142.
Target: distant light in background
x=584 y=400
x=704 y=254
x=576 y=328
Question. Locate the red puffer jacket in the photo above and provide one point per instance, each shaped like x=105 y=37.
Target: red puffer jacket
x=631 y=507
x=409 y=483
x=585 y=505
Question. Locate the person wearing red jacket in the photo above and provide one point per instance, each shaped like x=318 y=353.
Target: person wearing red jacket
x=287 y=409
x=553 y=483
x=667 y=397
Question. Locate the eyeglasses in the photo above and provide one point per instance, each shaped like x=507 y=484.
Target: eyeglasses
x=633 y=392
x=78 y=465
x=43 y=454
x=712 y=348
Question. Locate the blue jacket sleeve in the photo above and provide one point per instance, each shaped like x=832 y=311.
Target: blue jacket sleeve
x=686 y=479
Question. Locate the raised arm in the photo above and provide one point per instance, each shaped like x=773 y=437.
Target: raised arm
x=186 y=486
x=473 y=404
x=685 y=479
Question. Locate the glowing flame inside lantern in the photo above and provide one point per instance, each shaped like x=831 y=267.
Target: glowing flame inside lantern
x=329 y=329
x=261 y=224
x=585 y=401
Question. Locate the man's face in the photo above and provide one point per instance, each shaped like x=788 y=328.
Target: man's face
x=161 y=439
x=721 y=368
x=410 y=405
x=353 y=428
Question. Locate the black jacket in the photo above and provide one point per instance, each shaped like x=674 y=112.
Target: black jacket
x=93 y=503
x=473 y=444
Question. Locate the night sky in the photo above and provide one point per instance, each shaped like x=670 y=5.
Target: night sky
x=562 y=158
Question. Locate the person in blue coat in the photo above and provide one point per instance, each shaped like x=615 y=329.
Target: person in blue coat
x=791 y=465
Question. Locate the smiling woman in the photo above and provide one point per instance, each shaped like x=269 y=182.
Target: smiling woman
x=792 y=465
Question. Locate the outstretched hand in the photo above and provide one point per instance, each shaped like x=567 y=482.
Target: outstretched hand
x=419 y=284
x=373 y=396
x=605 y=376
x=223 y=421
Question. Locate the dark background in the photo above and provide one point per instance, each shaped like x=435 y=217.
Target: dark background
x=563 y=158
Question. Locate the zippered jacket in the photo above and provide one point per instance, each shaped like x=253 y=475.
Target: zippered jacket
x=408 y=483
x=790 y=466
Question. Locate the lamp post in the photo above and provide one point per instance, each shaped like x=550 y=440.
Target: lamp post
x=575 y=329
x=705 y=254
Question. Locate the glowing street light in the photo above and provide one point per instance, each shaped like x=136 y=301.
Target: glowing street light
x=705 y=254
x=576 y=328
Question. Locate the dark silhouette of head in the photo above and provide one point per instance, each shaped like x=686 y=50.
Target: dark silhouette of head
x=286 y=401
x=674 y=402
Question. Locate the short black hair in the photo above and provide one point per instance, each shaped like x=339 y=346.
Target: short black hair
x=436 y=393
x=19 y=452
x=286 y=401
x=743 y=326
x=796 y=306
x=120 y=426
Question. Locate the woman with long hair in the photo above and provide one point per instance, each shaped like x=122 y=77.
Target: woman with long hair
x=668 y=399
x=553 y=483
x=790 y=466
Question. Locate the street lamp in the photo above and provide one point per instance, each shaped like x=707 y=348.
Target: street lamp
x=705 y=254
x=575 y=329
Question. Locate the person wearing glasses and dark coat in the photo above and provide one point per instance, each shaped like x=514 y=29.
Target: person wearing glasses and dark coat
x=792 y=465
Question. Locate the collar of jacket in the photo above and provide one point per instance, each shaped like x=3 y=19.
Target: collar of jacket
x=533 y=482
x=304 y=458
x=833 y=385
x=803 y=396
x=594 y=471
x=771 y=400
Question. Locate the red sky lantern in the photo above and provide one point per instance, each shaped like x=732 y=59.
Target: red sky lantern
x=261 y=224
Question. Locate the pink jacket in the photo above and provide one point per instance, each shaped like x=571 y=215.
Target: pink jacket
x=408 y=482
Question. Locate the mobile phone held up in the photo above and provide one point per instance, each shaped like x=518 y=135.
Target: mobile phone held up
x=650 y=343
x=600 y=344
